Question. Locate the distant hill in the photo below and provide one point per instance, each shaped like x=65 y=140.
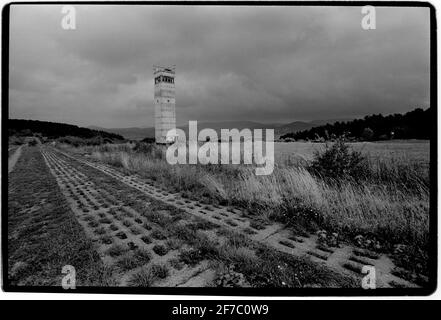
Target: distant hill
x=293 y=127
x=279 y=129
x=55 y=130
x=411 y=125
x=240 y=125
x=141 y=133
x=130 y=133
x=330 y=121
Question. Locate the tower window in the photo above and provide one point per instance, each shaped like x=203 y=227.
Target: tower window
x=166 y=79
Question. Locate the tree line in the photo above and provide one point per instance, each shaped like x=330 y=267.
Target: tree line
x=415 y=124
x=53 y=130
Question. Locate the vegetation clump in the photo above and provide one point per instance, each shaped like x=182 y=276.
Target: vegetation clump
x=338 y=161
x=411 y=125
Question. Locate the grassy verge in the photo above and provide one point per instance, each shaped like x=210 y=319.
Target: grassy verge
x=43 y=234
x=260 y=266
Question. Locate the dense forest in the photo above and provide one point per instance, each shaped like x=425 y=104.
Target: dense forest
x=52 y=130
x=415 y=124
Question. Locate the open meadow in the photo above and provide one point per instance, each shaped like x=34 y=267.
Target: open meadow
x=398 y=150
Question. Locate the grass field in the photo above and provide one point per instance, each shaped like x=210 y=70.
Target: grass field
x=397 y=150
x=115 y=235
x=122 y=216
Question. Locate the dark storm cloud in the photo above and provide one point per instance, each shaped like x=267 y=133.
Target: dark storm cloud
x=245 y=63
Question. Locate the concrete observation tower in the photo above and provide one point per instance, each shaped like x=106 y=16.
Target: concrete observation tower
x=165 y=115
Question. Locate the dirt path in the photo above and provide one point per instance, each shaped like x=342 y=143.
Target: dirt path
x=12 y=160
x=345 y=259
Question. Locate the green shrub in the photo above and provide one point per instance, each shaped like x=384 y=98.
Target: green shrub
x=339 y=161
x=150 y=149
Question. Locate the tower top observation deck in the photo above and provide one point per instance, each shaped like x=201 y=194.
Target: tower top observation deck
x=160 y=69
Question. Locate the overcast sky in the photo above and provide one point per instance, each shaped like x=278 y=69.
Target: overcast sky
x=267 y=64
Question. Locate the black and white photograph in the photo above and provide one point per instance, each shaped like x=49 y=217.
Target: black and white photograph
x=265 y=149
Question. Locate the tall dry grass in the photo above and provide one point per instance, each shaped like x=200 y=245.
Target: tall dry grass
x=350 y=208
x=389 y=204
